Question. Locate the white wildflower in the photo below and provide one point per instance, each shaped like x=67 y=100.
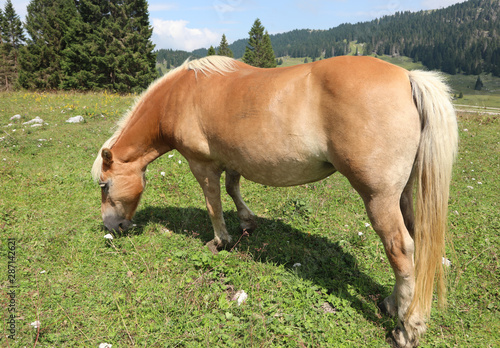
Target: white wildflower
x=470 y=187
x=162 y=173
x=295 y=265
x=42 y=272
x=479 y=183
x=180 y=161
x=108 y=236
x=360 y=234
x=170 y=156
x=367 y=224
x=446 y=262
x=240 y=297
x=105 y=345
x=36 y=324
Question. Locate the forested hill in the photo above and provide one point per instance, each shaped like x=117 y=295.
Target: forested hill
x=464 y=38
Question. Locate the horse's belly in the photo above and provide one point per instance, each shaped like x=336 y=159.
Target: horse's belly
x=285 y=173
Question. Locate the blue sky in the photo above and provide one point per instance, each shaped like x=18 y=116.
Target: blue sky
x=192 y=24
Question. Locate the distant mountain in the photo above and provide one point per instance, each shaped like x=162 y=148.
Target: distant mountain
x=464 y=37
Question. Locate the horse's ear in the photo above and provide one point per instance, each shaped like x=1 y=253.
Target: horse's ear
x=107 y=157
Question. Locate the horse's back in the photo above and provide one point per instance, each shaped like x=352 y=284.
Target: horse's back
x=292 y=125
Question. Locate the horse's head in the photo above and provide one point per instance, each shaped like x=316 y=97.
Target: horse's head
x=121 y=185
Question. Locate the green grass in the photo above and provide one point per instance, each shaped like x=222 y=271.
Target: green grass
x=160 y=285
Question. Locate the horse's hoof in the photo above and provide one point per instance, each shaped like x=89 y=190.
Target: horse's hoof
x=214 y=246
x=391 y=341
x=399 y=339
x=248 y=226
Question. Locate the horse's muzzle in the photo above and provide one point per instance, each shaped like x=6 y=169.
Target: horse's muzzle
x=116 y=224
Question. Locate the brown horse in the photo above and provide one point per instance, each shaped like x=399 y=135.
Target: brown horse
x=388 y=130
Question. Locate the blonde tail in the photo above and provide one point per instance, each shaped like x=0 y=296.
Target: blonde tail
x=433 y=169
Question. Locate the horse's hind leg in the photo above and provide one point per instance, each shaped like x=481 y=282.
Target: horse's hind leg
x=246 y=216
x=387 y=219
x=406 y=204
x=389 y=305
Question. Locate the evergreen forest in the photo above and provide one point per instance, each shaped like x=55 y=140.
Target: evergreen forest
x=462 y=38
x=78 y=45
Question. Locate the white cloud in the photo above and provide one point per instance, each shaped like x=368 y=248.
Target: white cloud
x=437 y=4
x=177 y=35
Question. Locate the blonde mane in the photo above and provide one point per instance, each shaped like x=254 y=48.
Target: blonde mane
x=207 y=65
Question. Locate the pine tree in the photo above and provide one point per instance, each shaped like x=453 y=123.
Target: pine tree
x=130 y=58
x=47 y=22
x=12 y=38
x=93 y=44
x=479 y=84
x=83 y=61
x=259 y=51
x=3 y=58
x=211 y=51
x=224 y=49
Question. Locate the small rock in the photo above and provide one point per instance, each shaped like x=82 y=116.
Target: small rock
x=36 y=120
x=76 y=119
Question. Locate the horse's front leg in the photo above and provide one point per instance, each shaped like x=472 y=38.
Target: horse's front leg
x=208 y=176
x=246 y=216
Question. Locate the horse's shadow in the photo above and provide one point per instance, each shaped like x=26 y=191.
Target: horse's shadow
x=322 y=261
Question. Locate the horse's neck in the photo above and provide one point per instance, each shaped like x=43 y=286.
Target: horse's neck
x=141 y=141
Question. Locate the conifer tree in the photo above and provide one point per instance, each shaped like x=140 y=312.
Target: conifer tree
x=211 y=51
x=259 y=51
x=224 y=49
x=47 y=23
x=3 y=58
x=92 y=44
x=11 y=40
x=133 y=64
x=479 y=84
x=83 y=61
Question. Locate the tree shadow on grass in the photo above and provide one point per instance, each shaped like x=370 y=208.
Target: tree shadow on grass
x=324 y=262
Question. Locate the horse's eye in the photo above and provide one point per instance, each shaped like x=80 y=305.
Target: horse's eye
x=104 y=185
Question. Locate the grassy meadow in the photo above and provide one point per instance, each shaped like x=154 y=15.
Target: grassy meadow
x=314 y=270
